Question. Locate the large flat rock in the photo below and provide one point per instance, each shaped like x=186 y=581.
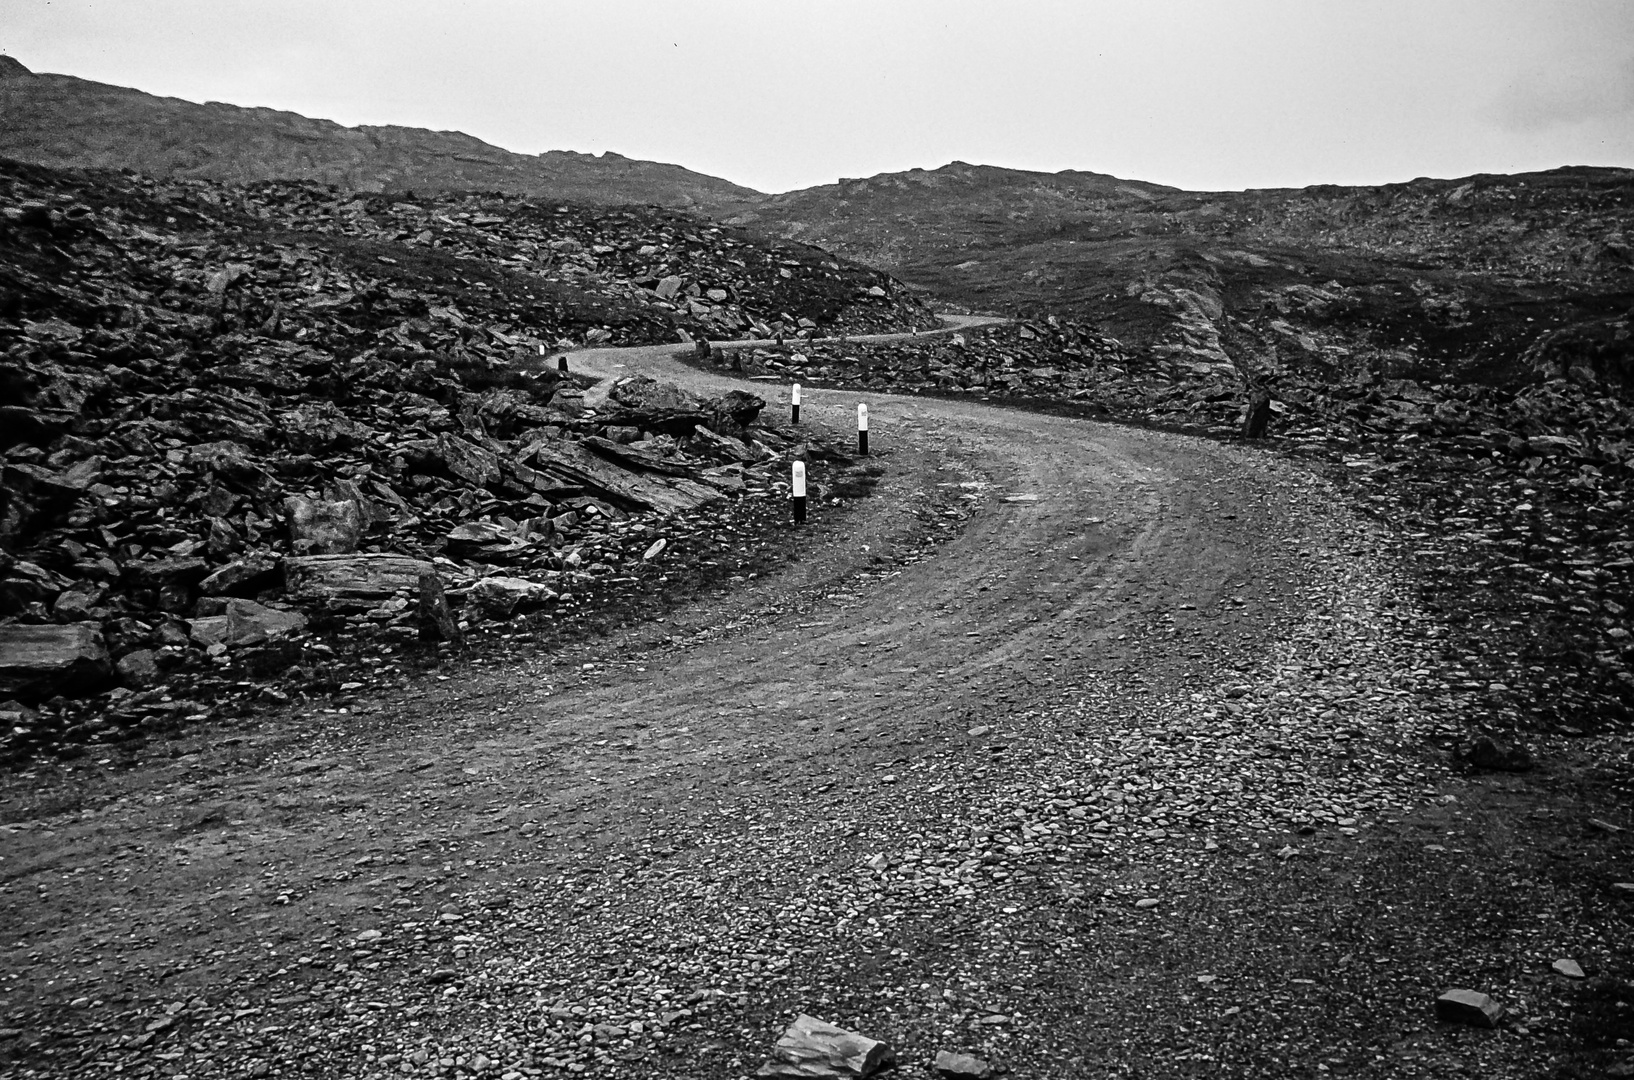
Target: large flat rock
x=38 y=662
x=367 y=576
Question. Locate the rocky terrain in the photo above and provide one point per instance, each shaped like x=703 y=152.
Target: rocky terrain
x=1518 y=494
x=236 y=414
x=1489 y=274
x=1460 y=350
x=62 y=121
x=1277 y=727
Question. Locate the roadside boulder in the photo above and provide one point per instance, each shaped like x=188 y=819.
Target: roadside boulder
x=503 y=596
x=437 y=622
x=814 y=1048
x=37 y=662
x=733 y=413
x=960 y=1066
x=353 y=579
x=1468 y=1007
x=139 y=669
x=244 y=622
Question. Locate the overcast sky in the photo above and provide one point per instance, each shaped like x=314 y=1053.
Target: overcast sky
x=780 y=94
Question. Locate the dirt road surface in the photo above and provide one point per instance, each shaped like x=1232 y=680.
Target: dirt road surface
x=1130 y=776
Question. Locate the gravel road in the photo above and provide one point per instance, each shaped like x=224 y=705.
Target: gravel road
x=1102 y=784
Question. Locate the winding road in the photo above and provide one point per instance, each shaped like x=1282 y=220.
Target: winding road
x=684 y=781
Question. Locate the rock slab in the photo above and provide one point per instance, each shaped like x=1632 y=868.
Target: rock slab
x=1468 y=1007
x=960 y=1066
x=370 y=576
x=815 y=1048
x=37 y=662
x=244 y=622
x=500 y=596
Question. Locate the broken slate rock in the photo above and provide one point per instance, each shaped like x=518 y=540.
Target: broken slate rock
x=246 y=623
x=814 y=1048
x=501 y=596
x=240 y=577
x=353 y=578
x=1488 y=753
x=16 y=714
x=322 y=526
x=186 y=570
x=437 y=622
x=139 y=669
x=37 y=662
x=79 y=602
x=467 y=460
x=484 y=538
x=960 y=1066
x=1569 y=968
x=1468 y=1007
x=735 y=412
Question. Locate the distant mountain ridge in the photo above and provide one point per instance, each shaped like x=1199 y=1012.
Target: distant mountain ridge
x=1501 y=276
x=915 y=221
x=67 y=122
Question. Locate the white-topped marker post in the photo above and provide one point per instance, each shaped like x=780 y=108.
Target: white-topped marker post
x=799 y=488
x=862 y=430
x=794 y=402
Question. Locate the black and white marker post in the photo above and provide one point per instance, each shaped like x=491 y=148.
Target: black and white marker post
x=862 y=430
x=799 y=488
x=794 y=402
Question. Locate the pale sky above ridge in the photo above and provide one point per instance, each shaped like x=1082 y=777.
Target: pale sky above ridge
x=781 y=94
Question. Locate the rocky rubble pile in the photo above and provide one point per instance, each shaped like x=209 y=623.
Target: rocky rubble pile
x=1517 y=495
x=1049 y=359
x=234 y=425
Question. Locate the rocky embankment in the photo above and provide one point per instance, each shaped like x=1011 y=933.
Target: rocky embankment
x=251 y=435
x=1516 y=497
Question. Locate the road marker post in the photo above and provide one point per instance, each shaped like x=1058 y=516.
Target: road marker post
x=794 y=402
x=799 y=489
x=561 y=362
x=862 y=430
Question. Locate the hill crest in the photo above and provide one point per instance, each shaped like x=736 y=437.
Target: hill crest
x=63 y=121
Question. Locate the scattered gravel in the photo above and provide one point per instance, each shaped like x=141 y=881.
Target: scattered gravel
x=684 y=949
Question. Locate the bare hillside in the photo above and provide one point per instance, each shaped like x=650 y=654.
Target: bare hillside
x=65 y=122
